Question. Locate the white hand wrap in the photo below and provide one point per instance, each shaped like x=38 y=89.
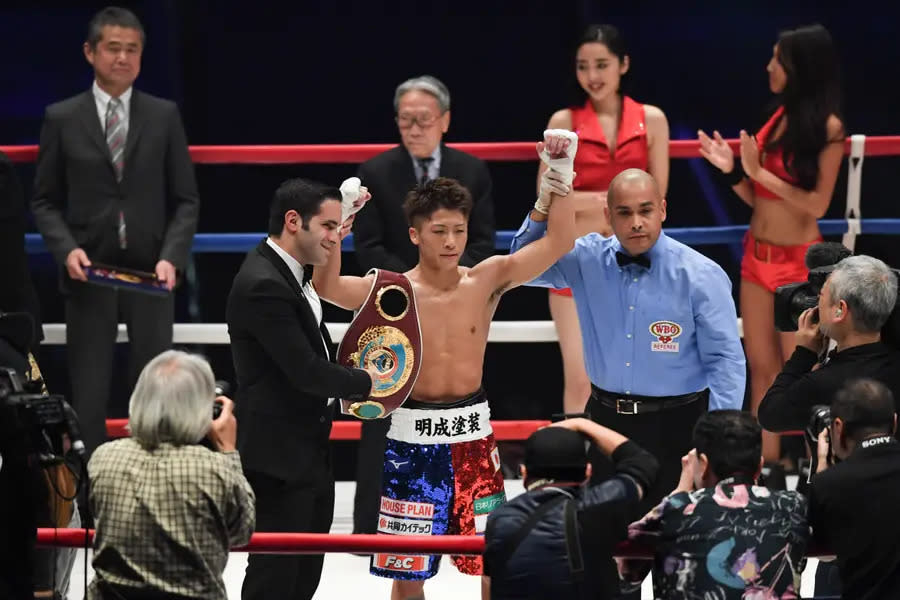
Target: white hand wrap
x=350 y=193
x=564 y=165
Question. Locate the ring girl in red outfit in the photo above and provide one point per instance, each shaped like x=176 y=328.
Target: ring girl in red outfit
x=614 y=133
x=787 y=175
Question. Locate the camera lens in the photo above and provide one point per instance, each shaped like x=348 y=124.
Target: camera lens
x=802 y=301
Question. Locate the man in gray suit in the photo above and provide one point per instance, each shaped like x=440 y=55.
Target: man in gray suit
x=114 y=185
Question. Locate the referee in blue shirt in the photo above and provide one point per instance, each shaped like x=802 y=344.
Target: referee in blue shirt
x=659 y=326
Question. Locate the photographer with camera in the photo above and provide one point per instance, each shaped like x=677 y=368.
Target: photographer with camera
x=853 y=503
x=167 y=508
x=854 y=304
x=719 y=534
x=557 y=539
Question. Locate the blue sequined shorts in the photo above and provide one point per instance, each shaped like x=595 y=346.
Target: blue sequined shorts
x=441 y=477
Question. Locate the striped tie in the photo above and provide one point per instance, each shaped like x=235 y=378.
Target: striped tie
x=115 y=135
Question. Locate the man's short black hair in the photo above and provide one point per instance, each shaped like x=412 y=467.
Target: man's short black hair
x=443 y=192
x=302 y=195
x=865 y=406
x=731 y=441
x=113 y=16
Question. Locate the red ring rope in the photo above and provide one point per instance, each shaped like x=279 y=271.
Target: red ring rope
x=317 y=543
x=357 y=153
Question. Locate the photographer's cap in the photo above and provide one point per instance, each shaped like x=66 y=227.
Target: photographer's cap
x=552 y=449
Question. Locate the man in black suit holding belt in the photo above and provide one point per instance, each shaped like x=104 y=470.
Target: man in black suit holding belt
x=287 y=383
x=381 y=232
x=115 y=185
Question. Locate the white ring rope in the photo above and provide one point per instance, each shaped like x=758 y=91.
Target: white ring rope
x=217 y=333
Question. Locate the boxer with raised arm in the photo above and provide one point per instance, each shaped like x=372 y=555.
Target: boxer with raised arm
x=442 y=469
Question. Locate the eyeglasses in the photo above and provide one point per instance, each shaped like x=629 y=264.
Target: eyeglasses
x=405 y=121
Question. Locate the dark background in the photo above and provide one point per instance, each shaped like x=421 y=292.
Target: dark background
x=324 y=72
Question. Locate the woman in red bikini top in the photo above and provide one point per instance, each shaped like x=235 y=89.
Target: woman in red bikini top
x=787 y=176
x=614 y=133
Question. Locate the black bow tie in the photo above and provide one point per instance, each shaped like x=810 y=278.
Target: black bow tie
x=626 y=259
x=307 y=274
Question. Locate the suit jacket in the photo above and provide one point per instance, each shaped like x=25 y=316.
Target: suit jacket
x=77 y=200
x=284 y=374
x=17 y=292
x=381 y=232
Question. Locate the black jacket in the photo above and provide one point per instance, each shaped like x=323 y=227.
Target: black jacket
x=381 y=232
x=77 y=200
x=798 y=388
x=853 y=513
x=284 y=375
x=539 y=568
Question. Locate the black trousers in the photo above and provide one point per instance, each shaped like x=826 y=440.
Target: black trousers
x=93 y=313
x=369 y=473
x=666 y=434
x=305 y=506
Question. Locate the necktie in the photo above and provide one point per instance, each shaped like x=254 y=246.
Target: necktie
x=424 y=163
x=626 y=259
x=307 y=274
x=115 y=135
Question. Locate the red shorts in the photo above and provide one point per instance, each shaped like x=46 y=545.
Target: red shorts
x=770 y=266
x=567 y=292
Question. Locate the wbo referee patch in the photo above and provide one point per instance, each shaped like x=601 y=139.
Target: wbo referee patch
x=665 y=333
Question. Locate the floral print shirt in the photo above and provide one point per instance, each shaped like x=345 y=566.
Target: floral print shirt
x=734 y=541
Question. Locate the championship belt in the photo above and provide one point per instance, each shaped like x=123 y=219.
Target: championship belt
x=384 y=334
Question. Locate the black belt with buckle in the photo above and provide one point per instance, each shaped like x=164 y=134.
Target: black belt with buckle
x=633 y=404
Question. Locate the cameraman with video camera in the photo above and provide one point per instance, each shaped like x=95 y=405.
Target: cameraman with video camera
x=854 y=304
x=37 y=480
x=853 y=502
x=167 y=508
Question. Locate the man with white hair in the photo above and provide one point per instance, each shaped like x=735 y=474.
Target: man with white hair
x=854 y=305
x=381 y=232
x=167 y=508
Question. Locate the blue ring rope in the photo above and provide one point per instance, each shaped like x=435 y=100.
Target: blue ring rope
x=698 y=236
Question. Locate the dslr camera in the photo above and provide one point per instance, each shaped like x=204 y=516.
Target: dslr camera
x=819 y=419
x=41 y=418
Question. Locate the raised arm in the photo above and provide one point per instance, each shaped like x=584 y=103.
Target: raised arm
x=528 y=262
x=345 y=291
x=716 y=150
x=813 y=202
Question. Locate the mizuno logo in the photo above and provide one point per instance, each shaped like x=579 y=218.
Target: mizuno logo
x=397 y=464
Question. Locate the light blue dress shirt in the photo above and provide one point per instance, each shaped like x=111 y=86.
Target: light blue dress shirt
x=666 y=331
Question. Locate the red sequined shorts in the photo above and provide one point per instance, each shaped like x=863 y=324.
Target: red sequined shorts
x=441 y=477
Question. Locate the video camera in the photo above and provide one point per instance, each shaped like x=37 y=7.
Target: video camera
x=793 y=298
x=43 y=418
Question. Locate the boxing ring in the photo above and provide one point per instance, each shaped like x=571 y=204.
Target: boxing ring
x=857 y=147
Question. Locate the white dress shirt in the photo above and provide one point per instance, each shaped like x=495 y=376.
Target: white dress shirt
x=309 y=292
x=315 y=303
x=101 y=99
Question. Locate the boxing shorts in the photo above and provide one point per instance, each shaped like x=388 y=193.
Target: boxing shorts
x=441 y=477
